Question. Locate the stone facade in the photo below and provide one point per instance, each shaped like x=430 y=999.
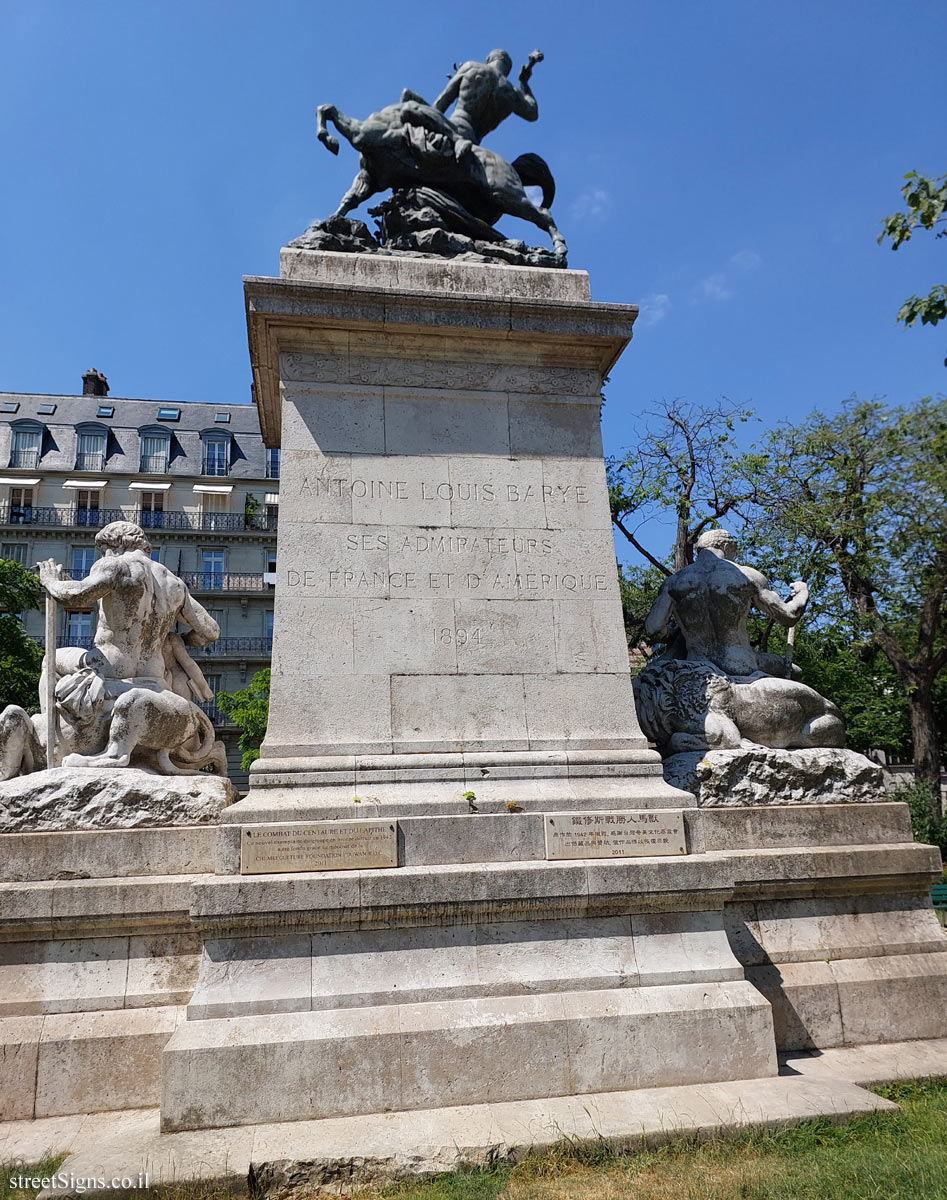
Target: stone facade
x=196 y=476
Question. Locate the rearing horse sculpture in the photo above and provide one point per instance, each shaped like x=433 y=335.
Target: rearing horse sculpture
x=412 y=144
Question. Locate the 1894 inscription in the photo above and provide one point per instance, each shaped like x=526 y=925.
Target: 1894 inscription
x=318 y=846
x=614 y=834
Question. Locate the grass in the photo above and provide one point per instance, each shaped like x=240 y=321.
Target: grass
x=9 y=1171
x=879 y=1156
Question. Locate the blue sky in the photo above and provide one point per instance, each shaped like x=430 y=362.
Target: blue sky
x=725 y=164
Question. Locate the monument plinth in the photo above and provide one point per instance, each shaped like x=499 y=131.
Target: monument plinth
x=447 y=614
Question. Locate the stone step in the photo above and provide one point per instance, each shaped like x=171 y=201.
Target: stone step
x=415 y=1056
x=338 y=1153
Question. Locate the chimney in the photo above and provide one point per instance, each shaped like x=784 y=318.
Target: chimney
x=94 y=383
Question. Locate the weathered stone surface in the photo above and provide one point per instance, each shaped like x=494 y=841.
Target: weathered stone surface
x=130 y=698
x=736 y=778
x=109 y=798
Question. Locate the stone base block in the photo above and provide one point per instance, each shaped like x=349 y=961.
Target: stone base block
x=109 y=798
x=82 y=1062
x=107 y=853
x=363 y=969
x=762 y=827
x=759 y=775
x=857 y=1001
x=414 y=1056
x=845 y=969
x=95 y=973
x=404 y=785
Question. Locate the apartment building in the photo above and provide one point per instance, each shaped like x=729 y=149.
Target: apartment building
x=196 y=476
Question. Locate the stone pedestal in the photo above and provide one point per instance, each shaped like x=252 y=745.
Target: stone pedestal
x=447 y=612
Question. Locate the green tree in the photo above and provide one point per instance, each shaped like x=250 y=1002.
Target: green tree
x=249 y=708
x=926 y=201
x=865 y=491
x=21 y=658
x=685 y=471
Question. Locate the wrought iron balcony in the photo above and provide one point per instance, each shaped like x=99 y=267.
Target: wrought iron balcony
x=215 y=466
x=92 y=461
x=217 y=716
x=153 y=464
x=95 y=518
x=237 y=647
x=222 y=581
x=25 y=458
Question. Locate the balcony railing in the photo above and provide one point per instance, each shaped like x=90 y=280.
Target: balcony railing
x=238 y=647
x=215 y=466
x=217 y=716
x=92 y=461
x=221 y=581
x=25 y=458
x=95 y=518
x=153 y=464
x=245 y=647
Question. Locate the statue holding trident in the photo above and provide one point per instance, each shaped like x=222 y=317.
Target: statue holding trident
x=710 y=689
x=130 y=699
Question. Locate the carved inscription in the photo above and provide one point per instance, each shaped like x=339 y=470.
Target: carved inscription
x=614 y=834
x=314 y=486
x=318 y=846
x=513 y=583
x=459 y=637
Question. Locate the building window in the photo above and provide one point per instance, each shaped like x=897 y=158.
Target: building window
x=14 y=552
x=222 y=418
x=105 y=410
x=216 y=457
x=214 y=513
x=151 y=510
x=87 y=507
x=268 y=628
x=46 y=410
x=155 y=449
x=212 y=569
x=269 y=567
x=81 y=561
x=155 y=554
x=90 y=449
x=79 y=628
x=21 y=506
x=169 y=414
x=272 y=462
x=26 y=447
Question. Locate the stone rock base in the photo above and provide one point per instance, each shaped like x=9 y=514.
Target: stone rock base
x=414 y=235
x=759 y=775
x=109 y=798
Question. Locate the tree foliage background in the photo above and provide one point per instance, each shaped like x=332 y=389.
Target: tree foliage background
x=852 y=503
x=926 y=206
x=249 y=708
x=21 y=659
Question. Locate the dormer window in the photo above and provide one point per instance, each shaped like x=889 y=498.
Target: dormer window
x=155 y=451
x=26 y=448
x=90 y=448
x=216 y=454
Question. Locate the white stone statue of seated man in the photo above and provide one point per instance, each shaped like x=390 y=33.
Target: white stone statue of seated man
x=131 y=696
x=711 y=689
